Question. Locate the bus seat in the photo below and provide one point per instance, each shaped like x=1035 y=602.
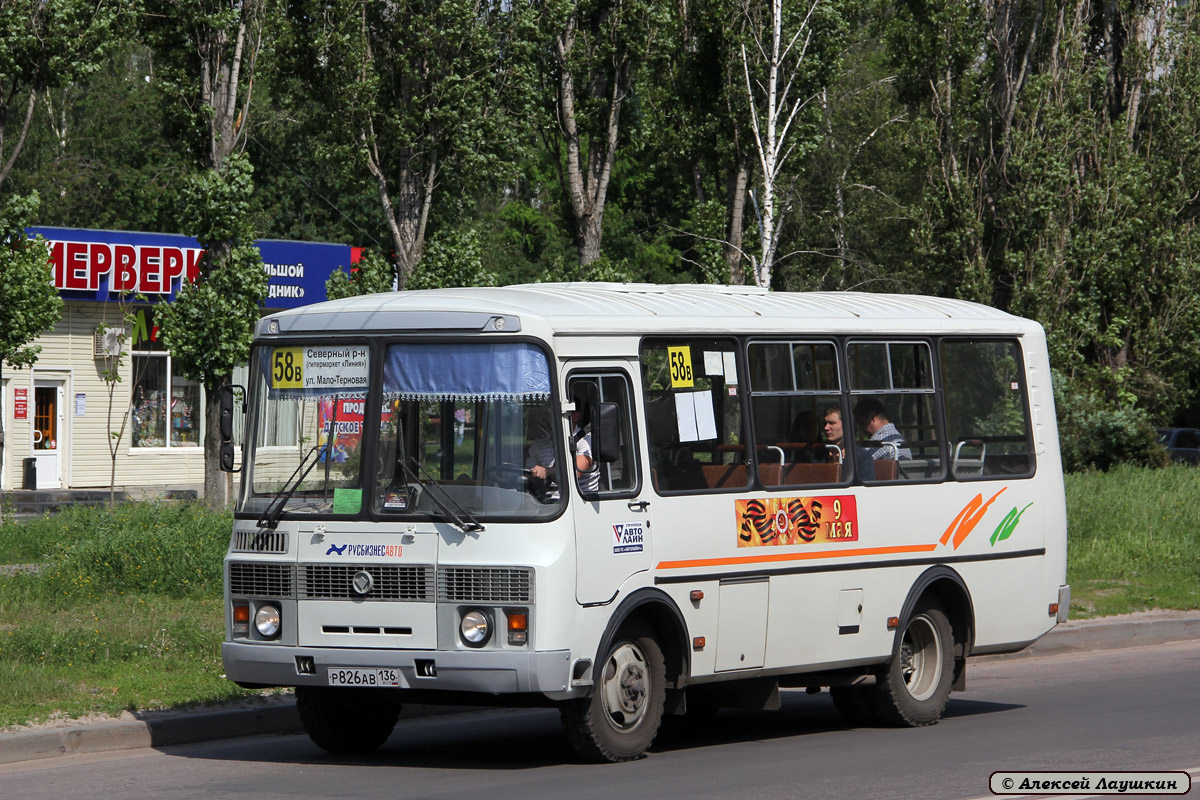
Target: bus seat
x=971 y=463
x=770 y=474
x=724 y=476
x=802 y=474
x=885 y=469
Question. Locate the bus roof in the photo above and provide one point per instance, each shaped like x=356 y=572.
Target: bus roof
x=636 y=308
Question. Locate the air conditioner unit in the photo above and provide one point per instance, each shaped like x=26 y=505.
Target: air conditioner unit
x=106 y=342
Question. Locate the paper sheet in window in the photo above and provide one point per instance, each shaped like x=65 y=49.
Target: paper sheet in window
x=706 y=419
x=713 y=363
x=730 y=368
x=695 y=415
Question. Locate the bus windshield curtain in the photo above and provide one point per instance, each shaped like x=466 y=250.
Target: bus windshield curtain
x=513 y=371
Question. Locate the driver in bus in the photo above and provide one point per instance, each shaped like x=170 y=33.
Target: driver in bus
x=864 y=465
x=581 y=437
x=539 y=456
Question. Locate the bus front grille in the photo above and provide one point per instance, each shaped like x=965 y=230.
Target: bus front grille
x=388 y=582
x=260 y=542
x=485 y=585
x=249 y=579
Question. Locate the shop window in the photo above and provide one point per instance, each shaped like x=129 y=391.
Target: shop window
x=167 y=408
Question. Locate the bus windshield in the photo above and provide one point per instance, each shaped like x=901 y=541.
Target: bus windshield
x=461 y=428
x=306 y=420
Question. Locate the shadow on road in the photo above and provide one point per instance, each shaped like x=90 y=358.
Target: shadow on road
x=523 y=739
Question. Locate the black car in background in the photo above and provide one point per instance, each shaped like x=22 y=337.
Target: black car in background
x=1183 y=444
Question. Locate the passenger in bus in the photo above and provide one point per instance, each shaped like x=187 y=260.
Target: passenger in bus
x=803 y=431
x=871 y=417
x=581 y=437
x=864 y=465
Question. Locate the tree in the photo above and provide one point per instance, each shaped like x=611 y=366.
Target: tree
x=598 y=49
x=29 y=303
x=45 y=45
x=102 y=160
x=415 y=93
x=454 y=258
x=372 y=274
x=792 y=56
x=209 y=325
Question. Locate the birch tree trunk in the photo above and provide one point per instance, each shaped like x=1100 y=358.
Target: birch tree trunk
x=771 y=80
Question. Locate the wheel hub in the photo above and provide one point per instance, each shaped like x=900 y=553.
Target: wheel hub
x=626 y=687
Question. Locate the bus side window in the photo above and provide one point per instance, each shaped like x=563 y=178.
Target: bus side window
x=986 y=413
x=692 y=393
x=792 y=385
x=618 y=476
x=895 y=408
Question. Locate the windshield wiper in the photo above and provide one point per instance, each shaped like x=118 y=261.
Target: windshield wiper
x=270 y=517
x=443 y=499
x=436 y=493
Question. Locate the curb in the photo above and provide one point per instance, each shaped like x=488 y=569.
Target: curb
x=278 y=715
x=1110 y=633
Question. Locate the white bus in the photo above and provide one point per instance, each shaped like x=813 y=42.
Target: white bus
x=627 y=501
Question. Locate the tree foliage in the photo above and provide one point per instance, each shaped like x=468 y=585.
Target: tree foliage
x=1040 y=156
x=209 y=325
x=29 y=303
x=43 y=46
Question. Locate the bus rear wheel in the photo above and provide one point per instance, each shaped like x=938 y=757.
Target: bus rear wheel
x=346 y=720
x=915 y=686
x=619 y=721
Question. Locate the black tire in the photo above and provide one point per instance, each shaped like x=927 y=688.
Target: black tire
x=619 y=721
x=346 y=720
x=856 y=704
x=914 y=688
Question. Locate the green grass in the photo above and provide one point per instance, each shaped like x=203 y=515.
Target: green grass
x=1133 y=540
x=125 y=613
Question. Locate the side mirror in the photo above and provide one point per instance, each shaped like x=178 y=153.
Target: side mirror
x=606 y=433
x=226 y=415
x=226 y=426
x=227 y=457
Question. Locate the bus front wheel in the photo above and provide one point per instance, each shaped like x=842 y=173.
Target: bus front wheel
x=346 y=720
x=619 y=721
x=915 y=686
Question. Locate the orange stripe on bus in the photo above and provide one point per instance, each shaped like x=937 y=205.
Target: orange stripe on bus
x=767 y=559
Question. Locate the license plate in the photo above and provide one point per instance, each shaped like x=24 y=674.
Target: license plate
x=364 y=677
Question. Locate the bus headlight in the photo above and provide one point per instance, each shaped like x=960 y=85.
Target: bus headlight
x=475 y=628
x=266 y=621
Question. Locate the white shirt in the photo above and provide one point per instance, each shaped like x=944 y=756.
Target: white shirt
x=588 y=481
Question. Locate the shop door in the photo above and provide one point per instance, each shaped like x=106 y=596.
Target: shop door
x=47 y=432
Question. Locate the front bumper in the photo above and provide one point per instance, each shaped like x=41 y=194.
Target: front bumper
x=453 y=671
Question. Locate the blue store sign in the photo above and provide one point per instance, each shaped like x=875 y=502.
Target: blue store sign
x=103 y=266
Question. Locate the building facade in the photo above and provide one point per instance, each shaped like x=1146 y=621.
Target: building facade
x=62 y=417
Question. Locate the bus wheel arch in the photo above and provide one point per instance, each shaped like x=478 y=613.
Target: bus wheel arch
x=654 y=609
x=945 y=586
x=640 y=656
x=929 y=653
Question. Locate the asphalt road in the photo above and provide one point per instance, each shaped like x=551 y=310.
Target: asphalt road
x=1127 y=709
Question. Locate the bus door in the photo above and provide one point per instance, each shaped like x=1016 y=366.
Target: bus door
x=611 y=502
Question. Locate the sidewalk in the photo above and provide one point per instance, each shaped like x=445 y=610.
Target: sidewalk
x=277 y=714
